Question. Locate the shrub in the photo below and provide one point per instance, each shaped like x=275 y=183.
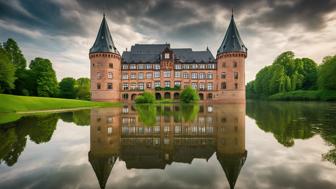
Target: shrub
x=145 y=97
x=189 y=95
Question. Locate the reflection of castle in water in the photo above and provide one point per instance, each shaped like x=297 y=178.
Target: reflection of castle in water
x=119 y=133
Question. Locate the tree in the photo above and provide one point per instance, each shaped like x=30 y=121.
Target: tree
x=7 y=72
x=145 y=97
x=44 y=77
x=189 y=95
x=67 y=88
x=327 y=73
x=15 y=54
x=83 y=88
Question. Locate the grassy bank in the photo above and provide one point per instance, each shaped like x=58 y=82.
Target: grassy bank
x=12 y=103
x=311 y=95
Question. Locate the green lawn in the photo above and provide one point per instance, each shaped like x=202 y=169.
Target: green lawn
x=12 y=103
x=313 y=95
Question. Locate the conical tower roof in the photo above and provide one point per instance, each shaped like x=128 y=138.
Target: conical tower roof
x=232 y=165
x=102 y=166
x=104 y=41
x=232 y=41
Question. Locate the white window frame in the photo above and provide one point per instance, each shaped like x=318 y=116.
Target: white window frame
x=140 y=75
x=167 y=84
x=166 y=74
x=133 y=76
x=210 y=75
x=109 y=75
x=177 y=74
x=156 y=74
x=149 y=75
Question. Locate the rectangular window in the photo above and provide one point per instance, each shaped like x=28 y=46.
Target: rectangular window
x=140 y=75
x=166 y=56
x=194 y=66
x=236 y=85
x=193 y=75
x=125 y=86
x=185 y=75
x=223 y=85
x=148 y=66
x=166 y=74
x=167 y=83
x=124 y=76
x=201 y=86
x=110 y=65
x=133 y=75
x=202 y=75
x=236 y=75
x=124 y=66
x=156 y=74
x=177 y=83
x=149 y=75
x=99 y=75
x=211 y=66
x=202 y=66
x=235 y=64
x=210 y=87
x=223 y=75
x=149 y=85
x=109 y=86
x=140 y=67
x=210 y=76
x=109 y=75
x=194 y=85
x=157 y=84
x=132 y=67
x=186 y=66
x=177 y=74
x=178 y=66
x=156 y=66
x=133 y=86
x=98 y=85
x=141 y=86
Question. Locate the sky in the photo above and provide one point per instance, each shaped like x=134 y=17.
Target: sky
x=63 y=31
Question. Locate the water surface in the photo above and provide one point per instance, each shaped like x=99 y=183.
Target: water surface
x=260 y=145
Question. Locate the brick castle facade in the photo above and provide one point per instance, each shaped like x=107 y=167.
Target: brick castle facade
x=166 y=71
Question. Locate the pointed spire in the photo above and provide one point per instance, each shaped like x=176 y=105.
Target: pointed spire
x=232 y=41
x=104 y=41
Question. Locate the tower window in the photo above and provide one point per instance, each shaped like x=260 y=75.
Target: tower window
x=235 y=64
x=98 y=85
x=99 y=75
x=224 y=64
x=109 y=85
x=166 y=56
x=236 y=75
x=109 y=75
x=236 y=85
x=223 y=75
x=110 y=65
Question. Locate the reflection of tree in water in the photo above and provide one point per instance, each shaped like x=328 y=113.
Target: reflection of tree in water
x=13 y=137
x=80 y=118
x=291 y=120
x=148 y=113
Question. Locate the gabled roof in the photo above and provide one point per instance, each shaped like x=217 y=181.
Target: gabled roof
x=104 y=41
x=150 y=53
x=232 y=41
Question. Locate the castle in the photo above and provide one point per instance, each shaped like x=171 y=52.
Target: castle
x=166 y=71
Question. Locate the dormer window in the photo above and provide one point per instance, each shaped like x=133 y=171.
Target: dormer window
x=166 y=55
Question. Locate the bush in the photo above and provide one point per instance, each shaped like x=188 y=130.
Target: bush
x=145 y=97
x=189 y=95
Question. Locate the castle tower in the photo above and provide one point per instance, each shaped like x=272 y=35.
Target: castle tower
x=105 y=66
x=231 y=57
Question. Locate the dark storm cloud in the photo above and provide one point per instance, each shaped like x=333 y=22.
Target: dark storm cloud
x=45 y=16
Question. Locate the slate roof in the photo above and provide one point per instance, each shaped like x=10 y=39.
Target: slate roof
x=232 y=41
x=150 y=53
x=104 y=41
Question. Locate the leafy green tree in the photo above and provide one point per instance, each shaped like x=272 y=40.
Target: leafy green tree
x=189 y=95
x=67 y=88
x=83 y=88
x=15 y=54
x=145 y=98
x=44 y=77
x=327 y=73
x=7 y=72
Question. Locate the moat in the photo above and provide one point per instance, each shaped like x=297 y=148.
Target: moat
x=257 y=145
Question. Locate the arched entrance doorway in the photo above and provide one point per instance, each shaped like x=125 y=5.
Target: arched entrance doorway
x=133 y=96
x=176 y=96
x=201 y=96
x=157 y=96
x=210 y=96
x=167 y=95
